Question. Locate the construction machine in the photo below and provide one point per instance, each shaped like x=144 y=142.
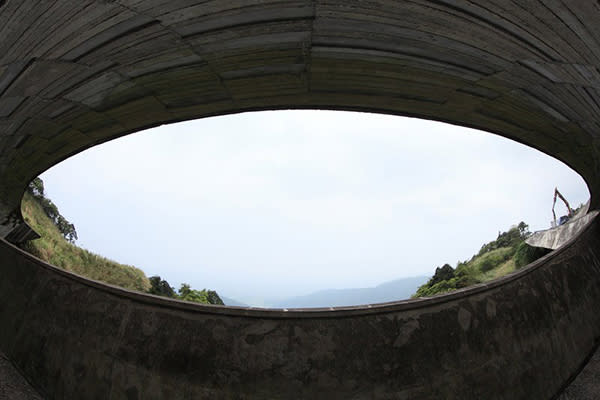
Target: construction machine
x=570 y=211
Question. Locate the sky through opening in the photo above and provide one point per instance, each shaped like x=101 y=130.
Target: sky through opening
x=266 y=205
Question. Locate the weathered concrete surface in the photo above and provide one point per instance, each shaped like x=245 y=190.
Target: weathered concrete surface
x=77 y=73
x=520 y=337
x=586 y=385
x=554 y=238
x=12 y=384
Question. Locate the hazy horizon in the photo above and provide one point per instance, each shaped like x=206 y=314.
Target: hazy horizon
x=280 y=204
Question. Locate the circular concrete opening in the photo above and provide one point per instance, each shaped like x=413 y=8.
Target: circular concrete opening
x=267 y=207
x=75 y=74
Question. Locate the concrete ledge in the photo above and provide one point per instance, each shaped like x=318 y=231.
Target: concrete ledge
x=555 y=237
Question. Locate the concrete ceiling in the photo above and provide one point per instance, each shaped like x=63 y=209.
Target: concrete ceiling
x=77 y=73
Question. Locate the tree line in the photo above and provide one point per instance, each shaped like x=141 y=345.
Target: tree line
x=161 y=287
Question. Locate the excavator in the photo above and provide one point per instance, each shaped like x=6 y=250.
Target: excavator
x=564 y=218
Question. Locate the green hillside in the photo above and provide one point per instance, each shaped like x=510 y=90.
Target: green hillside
x=53 y=248
x=56 y=246
x=500 y=257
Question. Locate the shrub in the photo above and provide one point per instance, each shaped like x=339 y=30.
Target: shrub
x=442 y=273
x=487 y=264
x=160 y=287
x=526 y=254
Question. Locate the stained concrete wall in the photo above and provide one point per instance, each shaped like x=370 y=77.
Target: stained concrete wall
x=586 y=385
x=13 y=386
x=77 y=73
x=521 y=337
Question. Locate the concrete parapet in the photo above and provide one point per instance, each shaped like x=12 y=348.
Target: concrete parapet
x=555 y=237
x=523 y=336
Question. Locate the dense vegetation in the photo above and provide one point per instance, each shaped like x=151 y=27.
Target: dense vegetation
x=56 y=246
x=497 y=258
x=161 y=287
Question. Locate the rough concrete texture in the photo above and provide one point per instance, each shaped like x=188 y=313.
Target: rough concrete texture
x=77 y=73
x=12 y=384
x=587 y=384
x=521 y=337
x=554 y=238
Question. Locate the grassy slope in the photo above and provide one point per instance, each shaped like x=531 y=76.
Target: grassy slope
x=500 y=262
x=487 y=267
x=496 y=259
x=54 y=249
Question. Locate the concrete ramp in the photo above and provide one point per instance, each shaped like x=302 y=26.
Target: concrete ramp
x=556 y=237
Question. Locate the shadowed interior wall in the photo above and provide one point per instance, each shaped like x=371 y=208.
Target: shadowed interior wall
x=521 y=337
x=77 y=73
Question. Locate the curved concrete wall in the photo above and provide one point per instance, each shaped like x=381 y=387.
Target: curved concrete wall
x=521 y=337
x=76 y=73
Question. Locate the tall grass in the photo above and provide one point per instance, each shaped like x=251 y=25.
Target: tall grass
x=54 y=249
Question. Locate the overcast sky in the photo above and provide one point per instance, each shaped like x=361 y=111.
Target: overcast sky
x=274 y=204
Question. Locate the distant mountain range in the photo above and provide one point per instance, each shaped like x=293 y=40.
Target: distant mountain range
x=398 y=289
x=231 y=302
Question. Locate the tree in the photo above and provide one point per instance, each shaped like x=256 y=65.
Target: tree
x=443 y=273
x=36 y=188
x=161 y=287
x=199 y=296
x=523 y=230
x=188 y=294
x=512 y=238
x=67 y=229
x=213 y=298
